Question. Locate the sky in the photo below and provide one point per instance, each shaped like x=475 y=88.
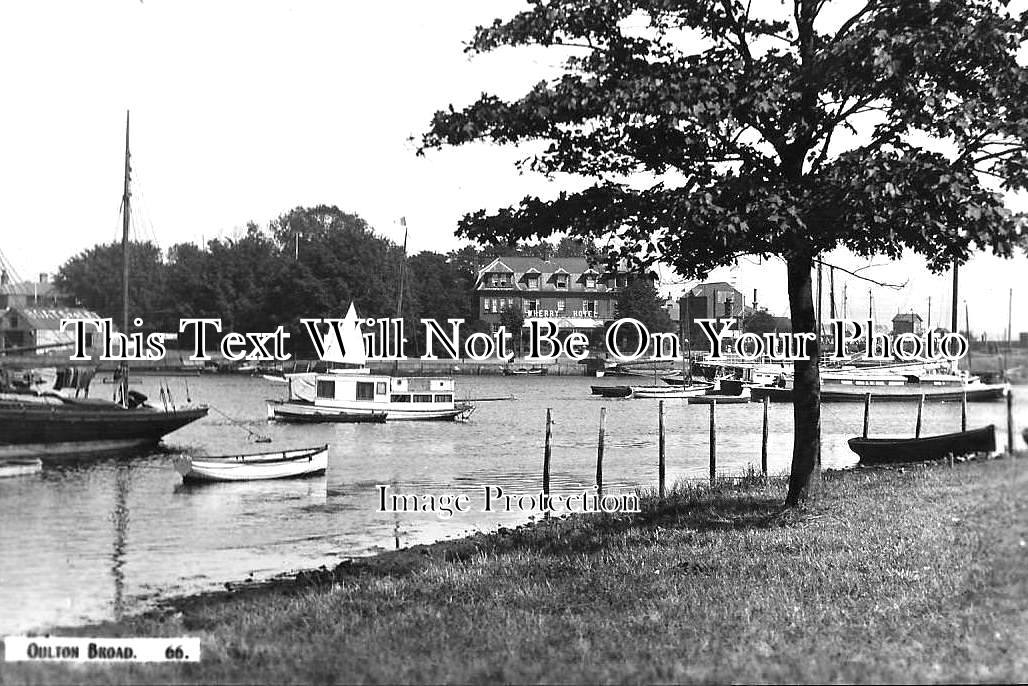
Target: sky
x=242 y=111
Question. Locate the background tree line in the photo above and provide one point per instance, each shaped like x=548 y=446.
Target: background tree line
x=308 y=262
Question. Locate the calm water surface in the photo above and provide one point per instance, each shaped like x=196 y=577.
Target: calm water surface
x=103 y=538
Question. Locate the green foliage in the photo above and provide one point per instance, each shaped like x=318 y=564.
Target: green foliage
x=93 y=277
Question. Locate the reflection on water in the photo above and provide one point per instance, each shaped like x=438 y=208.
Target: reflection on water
x=96 y=540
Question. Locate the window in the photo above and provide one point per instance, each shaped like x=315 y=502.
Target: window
x=380 y=388
x=422 y=397
x=365 y=390
x=445 y=398
x=562 y=280
x=589 y=306
x=14 y=321
x=590 y=281
x=560 y=306
x=399 y=398
x=533 y=282
x=326 y=389
x=531 y=305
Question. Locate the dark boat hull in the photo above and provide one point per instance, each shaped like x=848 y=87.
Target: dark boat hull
x=58 y=430
x=612 y=391
x=288 y=417
x=889 y=450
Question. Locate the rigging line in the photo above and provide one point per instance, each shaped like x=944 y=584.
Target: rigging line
x=259 y=438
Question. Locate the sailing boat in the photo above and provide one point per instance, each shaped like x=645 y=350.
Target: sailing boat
x=52 y=426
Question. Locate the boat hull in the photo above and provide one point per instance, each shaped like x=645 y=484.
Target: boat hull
x=890 y=450
x=310 y=413
x=670 y=391
x=612 y=391
x=287 y=464
x=20 y=467
x=66 y=431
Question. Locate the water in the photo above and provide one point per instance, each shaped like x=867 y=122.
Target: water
x=99 y=539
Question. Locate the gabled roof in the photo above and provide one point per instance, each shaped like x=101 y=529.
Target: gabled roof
x=907 y=317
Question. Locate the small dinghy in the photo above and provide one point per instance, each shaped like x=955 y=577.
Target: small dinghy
x=285 y=464
x=670 y=391
x=612 y=391
x=20 y=466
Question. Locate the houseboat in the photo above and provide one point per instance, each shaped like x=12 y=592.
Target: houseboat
x=358 y=395
x=351 y=393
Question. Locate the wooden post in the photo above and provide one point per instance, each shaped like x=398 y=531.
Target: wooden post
x=763 y=440
x=660 y=450
x=599 y=451
x=1010 y=422
x=867 y=413
x=713 y=442
x=920 y=408
x=546 y=456
x=963 y=411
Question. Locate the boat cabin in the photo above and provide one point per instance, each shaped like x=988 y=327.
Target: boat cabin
x=332 y=389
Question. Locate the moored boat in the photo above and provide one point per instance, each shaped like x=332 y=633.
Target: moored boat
x=612 y=391
x=308 y=413
x=670 y=391
x=853 y=386
x=283 y=464
x=20 y=466
x=889 y=450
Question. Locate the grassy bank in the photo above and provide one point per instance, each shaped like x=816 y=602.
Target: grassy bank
x=918 y=574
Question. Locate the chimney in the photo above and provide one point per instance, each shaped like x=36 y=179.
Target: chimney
x=42 y=277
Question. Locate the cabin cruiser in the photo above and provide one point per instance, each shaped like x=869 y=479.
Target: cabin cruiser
x=352 y=393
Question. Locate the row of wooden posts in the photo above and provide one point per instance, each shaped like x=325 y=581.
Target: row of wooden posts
x=763 y=441
x=963 y=417
x=661 y=443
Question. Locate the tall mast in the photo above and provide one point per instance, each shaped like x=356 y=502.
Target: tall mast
x=125 y=236
x=125 y=213
x=954 y=325
x=403 y=268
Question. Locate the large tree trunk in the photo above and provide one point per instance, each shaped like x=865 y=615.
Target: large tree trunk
x=806 y=389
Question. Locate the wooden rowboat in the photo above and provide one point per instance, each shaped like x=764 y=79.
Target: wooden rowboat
x=274 y=465
x=20 y=466
x=612 y=391
x=887 y=450
x=670 y=391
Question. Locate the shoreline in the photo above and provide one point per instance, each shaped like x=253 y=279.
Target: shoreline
x=714 y=530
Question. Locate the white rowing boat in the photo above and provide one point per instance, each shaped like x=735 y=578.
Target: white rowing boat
x=20 y=466
x=257 y=466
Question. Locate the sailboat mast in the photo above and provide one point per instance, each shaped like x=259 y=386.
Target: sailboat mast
x=403 y=268
x=125 y=235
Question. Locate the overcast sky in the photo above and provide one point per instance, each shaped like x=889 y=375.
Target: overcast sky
x=244 y=110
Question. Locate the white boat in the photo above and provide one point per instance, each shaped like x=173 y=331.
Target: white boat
x=349 y=394
x=670 y=391
x=274 y=465
x=20 y=466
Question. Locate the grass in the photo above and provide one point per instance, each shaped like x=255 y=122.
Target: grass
x=894 y=575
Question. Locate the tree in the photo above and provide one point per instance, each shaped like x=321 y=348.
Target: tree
x=93 y=277
x=762 y=322
x=513 y=318
x=641 y=301
x=744 y=124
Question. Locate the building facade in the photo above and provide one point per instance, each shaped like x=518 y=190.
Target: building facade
x=565 y=289
x=715 y=300
x=907 y=323
x=37 y=330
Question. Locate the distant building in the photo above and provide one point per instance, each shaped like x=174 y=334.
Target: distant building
x=37 y=330
x=715 y=300
x=907 y=322
x=565 y=289
x=40 y=293
x=1022 y=339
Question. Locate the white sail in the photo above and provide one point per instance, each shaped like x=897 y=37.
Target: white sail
x=352 y=351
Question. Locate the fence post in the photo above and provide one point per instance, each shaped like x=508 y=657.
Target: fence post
x=867 y=413
x=713 y=442
x=1010 y=421
x=599 y=451
x=546 y=456
x=920 y=408
x=660 y=450
x=763 y=440
x=963 y=411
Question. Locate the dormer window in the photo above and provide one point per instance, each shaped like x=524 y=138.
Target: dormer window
x=590 y=281
x=533 y=282
x=561 y=280
x=498 y=281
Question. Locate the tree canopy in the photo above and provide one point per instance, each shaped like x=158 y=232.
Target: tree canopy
x=719 y=128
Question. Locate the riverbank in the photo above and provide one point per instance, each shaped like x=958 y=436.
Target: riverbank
x=915 y=574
